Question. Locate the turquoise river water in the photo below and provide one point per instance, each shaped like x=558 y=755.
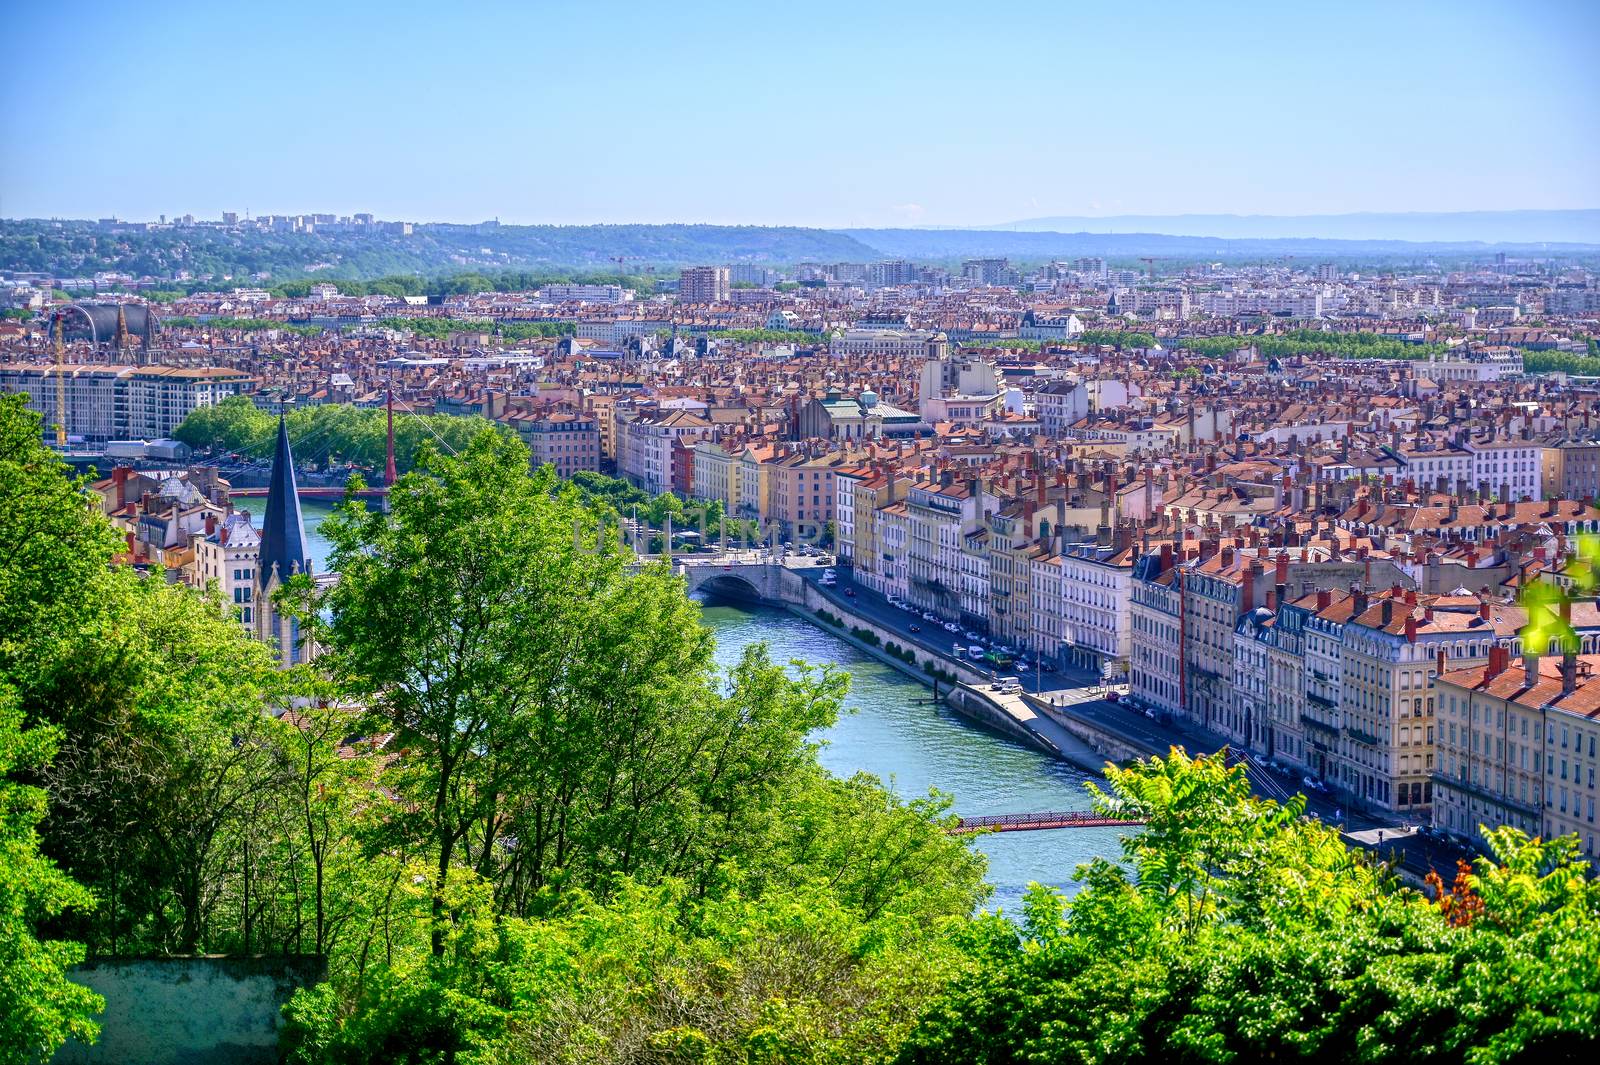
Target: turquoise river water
x=893 y=730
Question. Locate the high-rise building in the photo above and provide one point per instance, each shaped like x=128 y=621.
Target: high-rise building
x=703 y=284
x=987 y=271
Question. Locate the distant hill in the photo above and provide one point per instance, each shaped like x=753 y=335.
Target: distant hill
x=73 y=248
x=1022 y=244
x=1491 y=227
x=81 y=248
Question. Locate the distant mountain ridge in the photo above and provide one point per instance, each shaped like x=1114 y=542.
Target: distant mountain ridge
x=1581 y=226
x=81 y=248
x=1027 y=244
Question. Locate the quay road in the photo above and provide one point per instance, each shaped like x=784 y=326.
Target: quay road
x=1078 y=692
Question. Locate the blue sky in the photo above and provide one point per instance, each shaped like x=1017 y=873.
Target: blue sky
x=818 y=113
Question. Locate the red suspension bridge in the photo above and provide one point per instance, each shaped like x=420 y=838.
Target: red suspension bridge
x=1042 y=821
x=312 y=493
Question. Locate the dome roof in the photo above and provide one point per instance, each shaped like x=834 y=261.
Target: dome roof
x=97 y=322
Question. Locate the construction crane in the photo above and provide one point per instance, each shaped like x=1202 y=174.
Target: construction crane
x=61 y=386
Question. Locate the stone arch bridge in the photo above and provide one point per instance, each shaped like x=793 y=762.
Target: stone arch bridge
x=765 y=582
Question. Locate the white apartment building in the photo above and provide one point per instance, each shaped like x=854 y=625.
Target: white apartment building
x=572 y=293
x=1060 y=404
x=1155 y=616
x=1517 y=464
x=227 y=553
x=122 y=402
x=1455 y=465
x=974 y=563
x=1097 y=599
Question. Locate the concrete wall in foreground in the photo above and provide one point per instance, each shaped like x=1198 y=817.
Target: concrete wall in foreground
x=190 y=1011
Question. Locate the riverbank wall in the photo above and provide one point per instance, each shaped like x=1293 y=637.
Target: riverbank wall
x=966 y=696
x=1110 y=746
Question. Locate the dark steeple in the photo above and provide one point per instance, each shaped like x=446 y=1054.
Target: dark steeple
x=283 y=535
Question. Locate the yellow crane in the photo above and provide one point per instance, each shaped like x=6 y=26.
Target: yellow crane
x=61 y=388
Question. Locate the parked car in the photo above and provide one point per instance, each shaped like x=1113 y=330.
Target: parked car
x=975 y=652
x=928 y=615
x=1113 y=697
x=951 y=626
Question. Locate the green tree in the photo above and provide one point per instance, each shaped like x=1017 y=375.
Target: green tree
x=52 y=546
x=1236 y=929
x=166 y=746
x=39 y=1007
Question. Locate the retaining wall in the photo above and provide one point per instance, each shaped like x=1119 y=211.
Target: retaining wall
x=190 y=1011
x=1108 y=745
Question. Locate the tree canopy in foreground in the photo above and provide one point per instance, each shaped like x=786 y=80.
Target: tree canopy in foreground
x=528 y=819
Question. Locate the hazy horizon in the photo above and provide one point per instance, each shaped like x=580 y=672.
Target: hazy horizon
x=835 y=117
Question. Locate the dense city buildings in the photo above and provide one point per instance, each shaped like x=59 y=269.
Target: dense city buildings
x=1297 y=506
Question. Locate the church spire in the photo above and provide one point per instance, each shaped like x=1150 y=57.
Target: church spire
x=283 y=534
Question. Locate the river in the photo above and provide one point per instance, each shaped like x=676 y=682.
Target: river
x=892 y=730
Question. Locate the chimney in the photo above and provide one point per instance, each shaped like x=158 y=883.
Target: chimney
x=1441 y=662
x=211 y=523
x=1530 y=669
x=1388 y=612
x=1280 y=575
x=1497 y=662
x=1483 y=610
x=1569 y=673
x=1360 y=606
x=1324 y=597
x=1411 y=628
x=1166 y=557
